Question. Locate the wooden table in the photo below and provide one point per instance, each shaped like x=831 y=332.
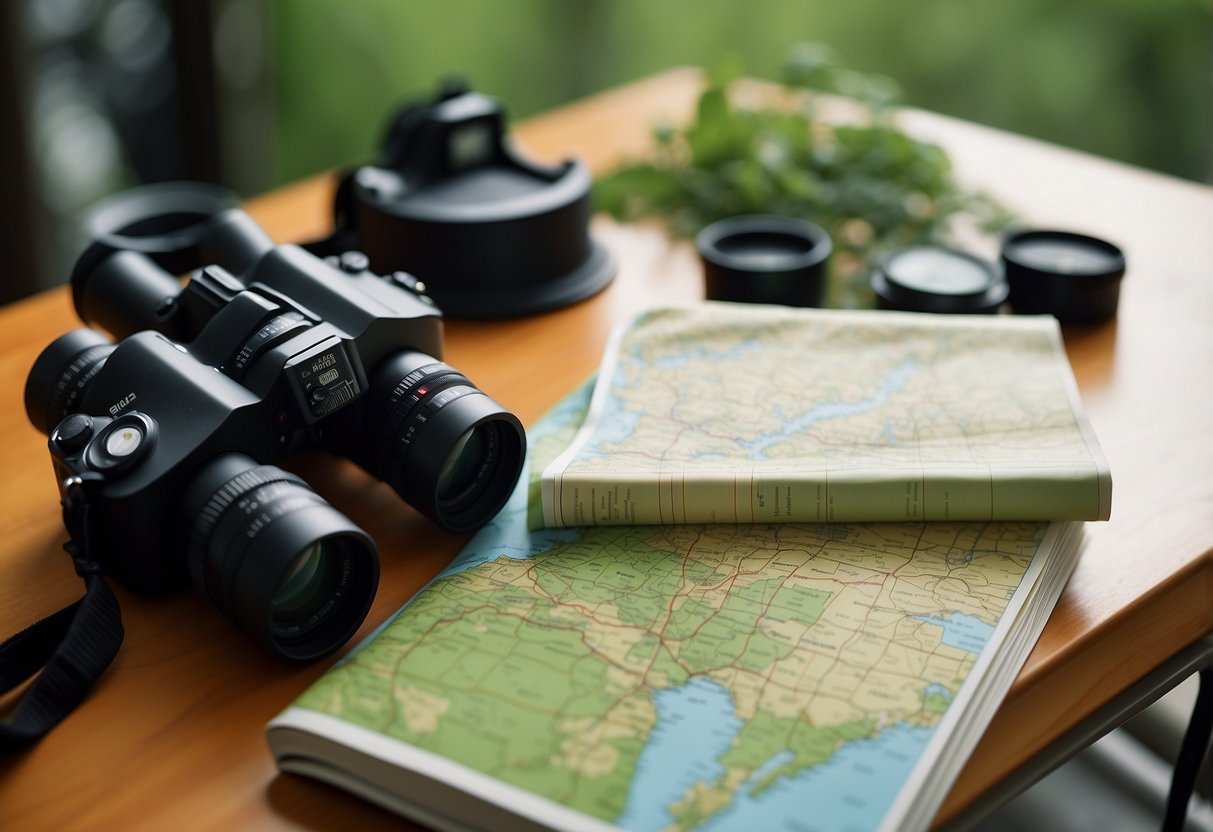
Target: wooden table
x=172 y=737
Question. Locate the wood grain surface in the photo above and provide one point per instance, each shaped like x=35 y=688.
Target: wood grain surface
x=173 y=736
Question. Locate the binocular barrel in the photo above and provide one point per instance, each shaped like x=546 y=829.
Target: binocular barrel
x=136 y=287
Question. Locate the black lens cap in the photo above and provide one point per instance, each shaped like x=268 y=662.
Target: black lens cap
x=938 y=279
x=1073 y=276
x=763 y=258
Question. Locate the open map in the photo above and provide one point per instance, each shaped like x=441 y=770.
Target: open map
x=795 y=677
x=729 y=413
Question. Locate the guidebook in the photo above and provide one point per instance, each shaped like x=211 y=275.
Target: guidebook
x=728 y=413
x=694 y=677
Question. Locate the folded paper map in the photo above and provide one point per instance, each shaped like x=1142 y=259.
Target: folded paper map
x=698 y=677
x=723 y=413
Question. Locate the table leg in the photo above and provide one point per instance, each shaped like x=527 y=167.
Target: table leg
x=1191 y=755
x=1196 y=658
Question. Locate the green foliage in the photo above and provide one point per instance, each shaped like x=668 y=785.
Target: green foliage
x=1127 y=79
x=869 y=184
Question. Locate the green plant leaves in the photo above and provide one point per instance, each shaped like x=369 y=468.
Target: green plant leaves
x=869 y=184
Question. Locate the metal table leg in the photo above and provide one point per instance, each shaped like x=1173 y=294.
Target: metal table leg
x=1197 y=658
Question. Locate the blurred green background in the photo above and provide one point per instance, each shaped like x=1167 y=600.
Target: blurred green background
x=99 y=95
x=1127 y=79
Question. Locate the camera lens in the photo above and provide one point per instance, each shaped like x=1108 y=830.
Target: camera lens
x=304 y=581
x=303 y=595
x=446 y=447
x=469 y=472
x=61 y=374
x=462 y=464
x=273 y=555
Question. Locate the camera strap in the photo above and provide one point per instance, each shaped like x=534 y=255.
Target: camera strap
x=71 y=648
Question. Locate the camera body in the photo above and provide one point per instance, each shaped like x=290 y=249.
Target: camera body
x=267 y=350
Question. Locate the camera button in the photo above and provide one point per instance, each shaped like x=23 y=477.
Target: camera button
x=124 y=441
x=73 y=433
x=404 y=280
x=354 y=262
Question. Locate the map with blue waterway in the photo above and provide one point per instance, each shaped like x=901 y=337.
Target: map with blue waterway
x=726 y=413
x=698 y=677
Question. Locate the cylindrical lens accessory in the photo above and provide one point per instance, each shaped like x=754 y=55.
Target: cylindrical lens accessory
x=448 y=449
x=765 y=259
x=61 y=374
x=938 y=279
x=164 y=219
x=1072 y=276
x=492 y=234
x=271 y=554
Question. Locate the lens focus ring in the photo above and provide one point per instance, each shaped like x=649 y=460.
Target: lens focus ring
x=216 y=507
x=414 y=400
x=443 y=445
x=273 y=555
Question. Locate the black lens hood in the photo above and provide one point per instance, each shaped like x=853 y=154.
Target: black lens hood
x=489 y=233
x=166 y=221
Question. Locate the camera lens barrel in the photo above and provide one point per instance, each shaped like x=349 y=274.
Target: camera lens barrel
x=61 y=375
x=447 y=448
x=271 y=554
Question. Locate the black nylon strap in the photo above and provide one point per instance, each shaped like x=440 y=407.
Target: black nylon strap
x=72 y=647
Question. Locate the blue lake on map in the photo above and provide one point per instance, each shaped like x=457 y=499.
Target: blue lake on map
x=799 y=422
x=964 y=632
x=615 y=425
x=695 y=725
x=851 y=792
x=517 y=547
x=680 y=360
x=937 y=690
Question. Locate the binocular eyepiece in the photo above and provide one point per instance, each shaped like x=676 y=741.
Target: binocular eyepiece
x=264 y=350
x=128 y=278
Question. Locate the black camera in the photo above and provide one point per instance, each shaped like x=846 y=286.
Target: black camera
x=170 y=432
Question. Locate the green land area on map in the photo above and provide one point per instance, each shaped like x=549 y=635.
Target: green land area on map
x=538 y=657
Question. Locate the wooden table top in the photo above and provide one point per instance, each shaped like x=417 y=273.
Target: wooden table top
x=172 y=737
